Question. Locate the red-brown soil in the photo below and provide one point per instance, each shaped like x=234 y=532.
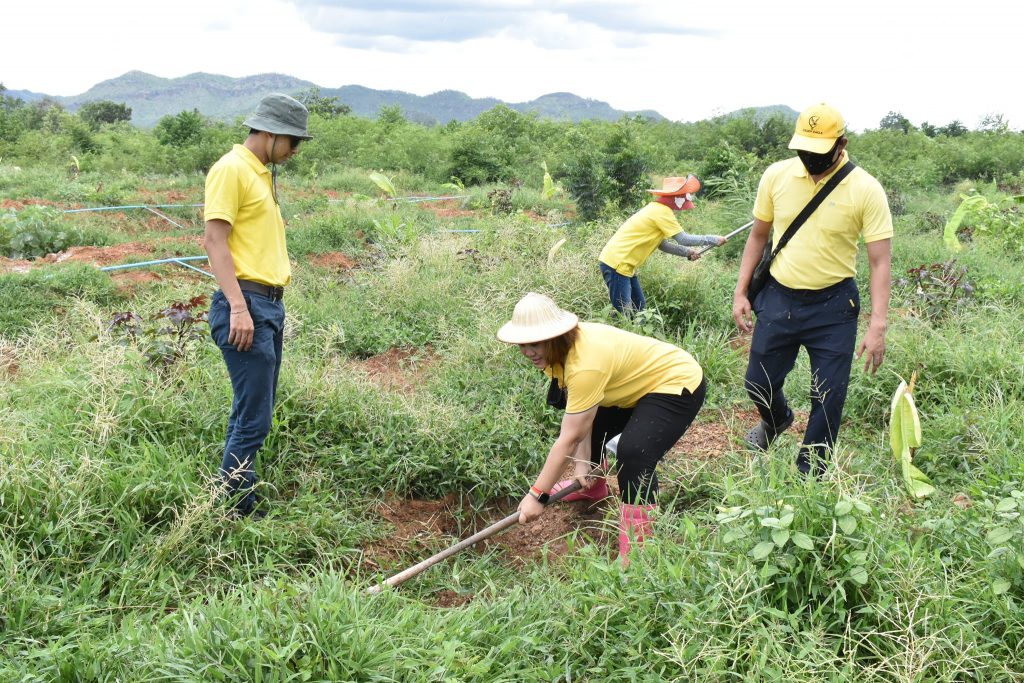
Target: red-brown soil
x=447 y=208
x=8 y=362
x=333 y=260
x=19 y=204
x=422 y=528
x=100 y=256
x=399 y=369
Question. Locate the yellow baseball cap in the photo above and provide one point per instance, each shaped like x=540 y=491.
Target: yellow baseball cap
x=817 y=129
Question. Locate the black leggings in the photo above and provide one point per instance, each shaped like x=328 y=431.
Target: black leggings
x=649 y=429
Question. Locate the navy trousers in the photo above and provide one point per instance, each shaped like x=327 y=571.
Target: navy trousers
x=824 y=322
x=254 y=376
x=625 y=292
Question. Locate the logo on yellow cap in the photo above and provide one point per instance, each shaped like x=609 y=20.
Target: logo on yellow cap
x=812 y=121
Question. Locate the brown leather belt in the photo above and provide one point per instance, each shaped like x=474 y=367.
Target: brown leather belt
x=275 y=293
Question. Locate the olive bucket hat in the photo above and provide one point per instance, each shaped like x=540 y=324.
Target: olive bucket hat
x=281 y=115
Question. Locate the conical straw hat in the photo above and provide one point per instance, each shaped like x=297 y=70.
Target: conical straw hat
x=536 y=318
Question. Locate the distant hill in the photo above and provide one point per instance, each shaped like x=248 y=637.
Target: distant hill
x=224 y=98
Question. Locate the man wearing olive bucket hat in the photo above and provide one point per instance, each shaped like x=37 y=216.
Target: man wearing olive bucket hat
x=652 y=227
x=609 y=382
x=246 y=246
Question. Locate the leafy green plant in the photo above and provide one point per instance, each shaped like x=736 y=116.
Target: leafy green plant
x=169 y=336
x=501 y=200
x=1006 y=538
x=1003 y=218
x=934 y=291
x=35 y=231
x=394 y=228
x=384 y=183
x=550 y=188
x=808 y=553
x=905 y=438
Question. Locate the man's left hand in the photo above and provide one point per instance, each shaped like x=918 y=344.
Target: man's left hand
x=874 y=344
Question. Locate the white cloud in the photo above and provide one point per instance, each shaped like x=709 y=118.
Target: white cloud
x=933 y=61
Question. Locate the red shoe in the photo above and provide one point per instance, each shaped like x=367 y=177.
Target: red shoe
x=634 y=526
x=599 y=491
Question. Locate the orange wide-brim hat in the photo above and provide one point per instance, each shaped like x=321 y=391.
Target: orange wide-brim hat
x=674 y=186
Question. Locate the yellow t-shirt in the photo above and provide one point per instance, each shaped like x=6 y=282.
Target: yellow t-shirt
x=238 y=190
x=638 y=237
x=611 y=367
x=824 y=250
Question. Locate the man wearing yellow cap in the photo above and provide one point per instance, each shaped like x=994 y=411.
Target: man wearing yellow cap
x=652 y=227
x=811 y=296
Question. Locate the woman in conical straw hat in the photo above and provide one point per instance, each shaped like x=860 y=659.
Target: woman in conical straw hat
x=609 y=382
x=652 y=227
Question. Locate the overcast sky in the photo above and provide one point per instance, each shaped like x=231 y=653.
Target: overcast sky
x=932 y=61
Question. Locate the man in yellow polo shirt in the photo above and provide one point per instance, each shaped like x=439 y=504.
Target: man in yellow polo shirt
x=652 y=227
x=811 y=297
x=246 y=246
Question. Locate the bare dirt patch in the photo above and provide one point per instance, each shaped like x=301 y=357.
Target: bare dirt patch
x=399 y=369
x=333 y=260
x=8 y=362
x=447 y=208
x=422 y=528
x=100 y=256
x=19 y=204
x=10 y=265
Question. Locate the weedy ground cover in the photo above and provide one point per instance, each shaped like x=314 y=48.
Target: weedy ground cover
x=117 y=563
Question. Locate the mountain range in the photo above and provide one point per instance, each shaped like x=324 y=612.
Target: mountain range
x=224 y=98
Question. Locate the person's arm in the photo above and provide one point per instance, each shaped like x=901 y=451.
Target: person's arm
x=880 y=263
x=576 y=428
x=670 y=247
x=223 y=266
x=688 y=240
x=759 y=235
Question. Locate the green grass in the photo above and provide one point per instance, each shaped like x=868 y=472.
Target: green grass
x=117 y=563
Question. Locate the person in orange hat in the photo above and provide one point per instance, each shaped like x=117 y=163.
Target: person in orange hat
x=652 y=227
x=811 y=297
x=609 y=382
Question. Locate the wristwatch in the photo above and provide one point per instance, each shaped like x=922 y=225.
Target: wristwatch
x=542 y=496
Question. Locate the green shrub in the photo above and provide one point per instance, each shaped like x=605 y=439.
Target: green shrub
x=35 y=231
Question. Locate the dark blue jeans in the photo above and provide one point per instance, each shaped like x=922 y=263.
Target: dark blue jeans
x=625 y=292
x=254 y=376
x=824 y=322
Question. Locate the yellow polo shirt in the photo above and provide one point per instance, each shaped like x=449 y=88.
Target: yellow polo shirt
x=824 y=249
x=238 y=190
x=611 y=367
x=638 y=237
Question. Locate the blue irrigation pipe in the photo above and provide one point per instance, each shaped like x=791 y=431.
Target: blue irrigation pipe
x=133 y=206
x=179 y=260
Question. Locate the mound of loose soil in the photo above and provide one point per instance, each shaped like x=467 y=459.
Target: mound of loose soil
x=100 y=256
x=333 y=260
x=10 y=265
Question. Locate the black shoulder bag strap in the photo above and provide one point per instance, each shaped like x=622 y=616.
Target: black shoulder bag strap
x=815 y=202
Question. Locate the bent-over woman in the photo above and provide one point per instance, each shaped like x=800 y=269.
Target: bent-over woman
x=612 y=382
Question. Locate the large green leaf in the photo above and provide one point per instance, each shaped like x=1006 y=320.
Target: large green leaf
x=802 y=540
x=762 y=550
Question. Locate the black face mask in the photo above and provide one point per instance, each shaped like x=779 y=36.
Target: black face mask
x=816 y=164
